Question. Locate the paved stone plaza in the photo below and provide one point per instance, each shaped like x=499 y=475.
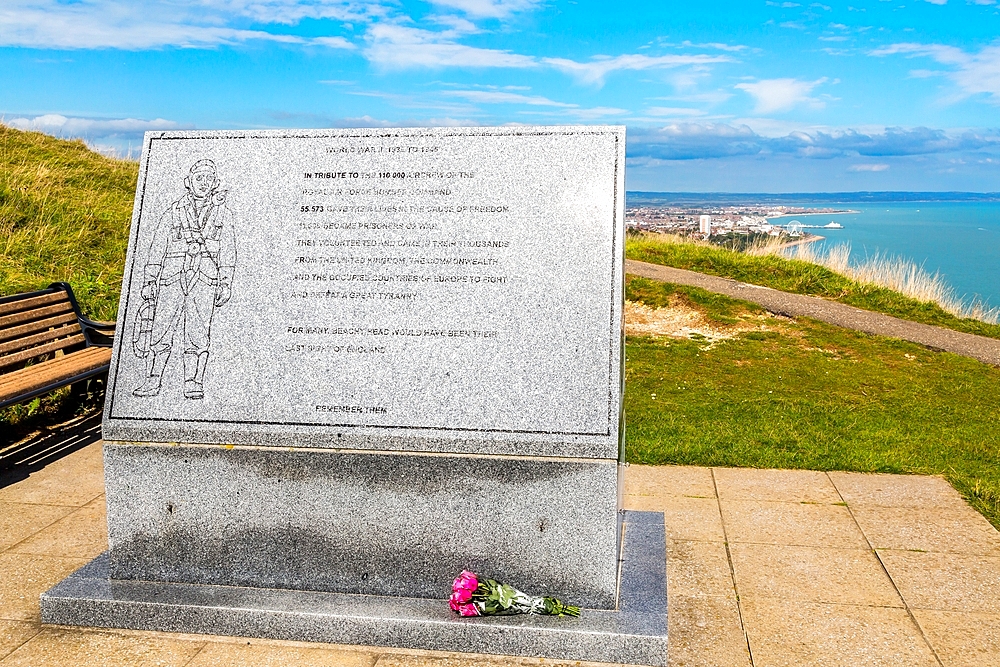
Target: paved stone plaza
x=830 y=569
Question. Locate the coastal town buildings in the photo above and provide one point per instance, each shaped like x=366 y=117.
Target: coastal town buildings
x=723 y=223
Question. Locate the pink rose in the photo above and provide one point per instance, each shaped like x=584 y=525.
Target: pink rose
x=461 y=595
x=466 y=581
x=453 y=604
x=468 y=610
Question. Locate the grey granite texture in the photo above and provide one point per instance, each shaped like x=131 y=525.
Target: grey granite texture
x=434 y=289
x=374 y=523
x=634 y=634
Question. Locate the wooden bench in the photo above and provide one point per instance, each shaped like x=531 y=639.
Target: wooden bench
x=45 y=344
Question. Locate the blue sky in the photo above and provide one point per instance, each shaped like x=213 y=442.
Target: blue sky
x=717 y=96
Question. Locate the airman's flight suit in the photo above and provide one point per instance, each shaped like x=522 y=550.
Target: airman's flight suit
x=188 y=275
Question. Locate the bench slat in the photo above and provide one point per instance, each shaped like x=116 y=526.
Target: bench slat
x=18 y=305
x=45 y=368
x=38 y=325
x=30 y=341
x=33 y=377
x=17 y=357
x=35 y=314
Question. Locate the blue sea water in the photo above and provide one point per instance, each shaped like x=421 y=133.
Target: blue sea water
x=961 y=240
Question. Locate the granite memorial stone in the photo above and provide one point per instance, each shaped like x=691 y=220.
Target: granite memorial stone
x=353 y=363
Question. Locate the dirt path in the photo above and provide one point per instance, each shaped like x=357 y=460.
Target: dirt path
x=982 y=348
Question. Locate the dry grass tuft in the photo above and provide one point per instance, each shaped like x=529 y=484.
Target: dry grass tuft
x=896 y=273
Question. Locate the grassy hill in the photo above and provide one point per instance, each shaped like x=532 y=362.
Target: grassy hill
x=801 y=394
x=809 y=395
x=64 y=215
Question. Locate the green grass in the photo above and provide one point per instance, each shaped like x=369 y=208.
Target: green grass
x=792 y=275
x=64 y=215
x=810 y=396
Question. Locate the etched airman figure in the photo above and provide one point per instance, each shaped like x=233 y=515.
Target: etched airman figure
x=188 y=275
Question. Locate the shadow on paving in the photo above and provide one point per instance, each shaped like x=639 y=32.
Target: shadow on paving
x=49 y=443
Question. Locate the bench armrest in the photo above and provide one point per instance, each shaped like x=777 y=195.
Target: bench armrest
x=101 y=334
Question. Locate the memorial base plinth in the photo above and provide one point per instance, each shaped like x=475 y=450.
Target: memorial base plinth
x=635 y=633
x=364 y=523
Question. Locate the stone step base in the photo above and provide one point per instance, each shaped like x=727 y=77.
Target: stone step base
x=636 y=633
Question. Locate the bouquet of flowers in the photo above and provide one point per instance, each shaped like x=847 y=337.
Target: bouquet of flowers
x=472 y=597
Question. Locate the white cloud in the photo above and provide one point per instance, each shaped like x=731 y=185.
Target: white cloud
x=115 y=137
x=332 y=42
x=709 y=97
x=781 y=94
x=595 y=113
x=590 y=114
x=396 y=46
x=701 y=140
x=715 y=45
x=58 y=125
x=868 y=167
x=674 y=111
x=150 y=24
x=287 y=12
x=488 y=8
x=499 y=97
x=595 y=70
x=973 y=73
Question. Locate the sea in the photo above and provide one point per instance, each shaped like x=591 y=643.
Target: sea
x=958 y=239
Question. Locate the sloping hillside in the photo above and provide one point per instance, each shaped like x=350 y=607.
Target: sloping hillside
x=64 y=215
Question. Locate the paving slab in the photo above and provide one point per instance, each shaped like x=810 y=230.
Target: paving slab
x=99 y=501
x=881 y=490
x=57 y=646
x=794 y=486
x=15 y=633
x=812 y=574
x=944 y=581
x=81 y=534
x=962 y=639
x=232 y=654
x=962 y=530
x=705 y=631
x=698 y=569
x=661 y=481
x=802 y=634
x=23 y=579
x=799 y=524
x=686 y=518
x=424 y=659
x=74 y=480
x=19 y=521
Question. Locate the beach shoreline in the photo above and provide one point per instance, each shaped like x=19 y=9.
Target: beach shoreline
x=795 y=215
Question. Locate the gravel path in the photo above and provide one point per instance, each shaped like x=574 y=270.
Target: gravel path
x=982 y=348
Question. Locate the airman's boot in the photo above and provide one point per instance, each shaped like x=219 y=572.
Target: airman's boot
x=151 y=385
x=194 y=374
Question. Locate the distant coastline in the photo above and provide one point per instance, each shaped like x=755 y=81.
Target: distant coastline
x=803 y=214
x=639 y=197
